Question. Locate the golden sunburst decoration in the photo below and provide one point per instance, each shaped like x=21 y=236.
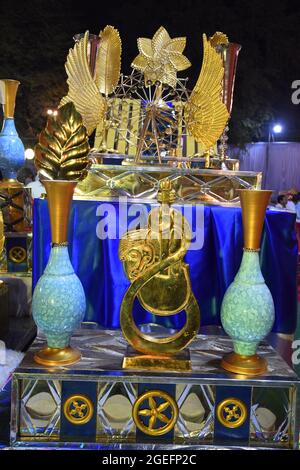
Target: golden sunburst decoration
x=161 y=57
x=219 y=39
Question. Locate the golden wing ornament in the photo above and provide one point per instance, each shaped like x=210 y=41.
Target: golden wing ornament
x=108 y=65
x=83 y=91
x=205 y=113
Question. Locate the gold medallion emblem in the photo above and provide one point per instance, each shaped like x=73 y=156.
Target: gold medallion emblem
x=158 y=416
x=78 y=409
x=232 y=412
x=17 y=254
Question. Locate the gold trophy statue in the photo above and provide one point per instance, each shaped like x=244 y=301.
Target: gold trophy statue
x=149 y=124
x=153 y=262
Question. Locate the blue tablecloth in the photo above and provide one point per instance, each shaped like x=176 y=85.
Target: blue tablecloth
x=212 y=267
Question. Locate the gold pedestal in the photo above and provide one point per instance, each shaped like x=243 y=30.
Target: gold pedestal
x=57 y=357
x=179 y=362
x=244 y=365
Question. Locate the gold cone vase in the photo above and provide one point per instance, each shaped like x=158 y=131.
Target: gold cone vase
x=8 y=93
x=247 y=312
x=58 y=304
x=12 y=152
x=254 y=205
x=59 y=195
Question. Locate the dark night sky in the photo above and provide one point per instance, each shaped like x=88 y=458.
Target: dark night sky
x=269 y=31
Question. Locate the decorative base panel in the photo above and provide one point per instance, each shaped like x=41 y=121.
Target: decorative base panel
x=16 y=206
x=17 y=253
x=98 y=404
x=191 y=185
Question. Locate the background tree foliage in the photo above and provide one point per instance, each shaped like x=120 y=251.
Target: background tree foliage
x=35 y=37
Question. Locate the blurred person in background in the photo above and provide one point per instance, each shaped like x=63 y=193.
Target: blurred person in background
x=292 y=199
x=25 y=175
x=31 y=180
x=281 y=201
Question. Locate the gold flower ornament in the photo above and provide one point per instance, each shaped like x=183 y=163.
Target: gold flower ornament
x=160 y=58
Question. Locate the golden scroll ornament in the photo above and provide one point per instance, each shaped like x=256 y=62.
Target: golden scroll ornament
x=153 y=262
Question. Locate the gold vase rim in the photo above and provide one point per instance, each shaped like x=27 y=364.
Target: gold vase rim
x=10 y=181
x=10 y=80
x=59 y=181
x=255 y=190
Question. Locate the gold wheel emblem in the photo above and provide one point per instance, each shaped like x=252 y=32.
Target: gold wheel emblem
x=17 y=254
x=158 y=416
x=232 y=412
x=78 y=409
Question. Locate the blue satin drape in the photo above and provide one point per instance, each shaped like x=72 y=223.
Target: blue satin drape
x=212 y=268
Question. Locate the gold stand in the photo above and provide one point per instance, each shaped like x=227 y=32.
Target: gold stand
x=179 y=362
x=57 y=357
x=244 y=365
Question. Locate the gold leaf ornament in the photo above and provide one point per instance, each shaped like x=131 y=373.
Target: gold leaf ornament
x=108 y=65
x=83 y=90
x=63 y=147
x=160 y=58
x=205 y=113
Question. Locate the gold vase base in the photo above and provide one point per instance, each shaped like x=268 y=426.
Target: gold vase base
x=57 y=357
x=179 y=362
x=244 y=365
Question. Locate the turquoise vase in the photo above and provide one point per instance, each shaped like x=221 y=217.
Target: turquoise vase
x=58 y=304
x=247 y=312
x=12 y=152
